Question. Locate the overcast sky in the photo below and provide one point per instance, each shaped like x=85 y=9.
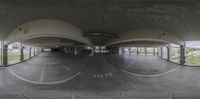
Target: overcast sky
x=193 y=44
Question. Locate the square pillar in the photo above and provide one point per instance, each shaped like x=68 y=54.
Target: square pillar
x=75 y=51
x=168 y=53
x=161 y=52
x=158 y=51
x=22 y=53
x=30 y=51
x=129 y=49
x=92 y=51
x=182 y=54
x=5 y=55
x=154 y=51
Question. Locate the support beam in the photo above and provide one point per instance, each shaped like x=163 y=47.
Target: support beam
x=161 y=52
x=92 y=52
x=75 y=51
x=5 y=55
x=168 y=52
x=30 y=51
x=182 y=54
x=129 y=49
x=22 y=53
x=158 y=51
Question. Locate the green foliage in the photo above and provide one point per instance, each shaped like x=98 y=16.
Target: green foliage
x=13 y=57
x=175 y=55
x=193 y=56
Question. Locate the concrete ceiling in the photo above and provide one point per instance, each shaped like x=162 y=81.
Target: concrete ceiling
x=181 y=17
x=140 y=44
x=50 y=42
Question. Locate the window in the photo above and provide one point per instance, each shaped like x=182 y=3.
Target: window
x=156 y=51
x=141 y=50
x=164 y=52
x=150 y=51
x=192 y=53
x=126 y=50
x=134 y=50
x=14 y=53
x=36 y=51
x=103 y=49
x=159 y=51
x=175 y=53
x=97 y=49
x=47 y=50
x=32 y=51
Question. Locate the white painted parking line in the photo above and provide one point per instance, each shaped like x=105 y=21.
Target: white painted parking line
x=103 y=75
x=35 y=82
x=154 y=75
x=110 y=74
x=106 y=75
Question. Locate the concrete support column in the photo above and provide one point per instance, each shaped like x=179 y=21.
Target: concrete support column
x=145 y=51
x=92 y=52
x=5 y=55
x=158 y=51
x=137 y=51
x=75 y=51
x=168 y=52
x=161 y=52
x=129 y=49
x=22 y=53
x=154 y=51
x=182 y=54
x=30 y=51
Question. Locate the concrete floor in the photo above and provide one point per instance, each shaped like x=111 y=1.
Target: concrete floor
x=142 y=65
x=59 y=76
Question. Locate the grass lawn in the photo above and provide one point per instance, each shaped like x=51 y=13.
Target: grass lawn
x=13 y=57
x=193 y=59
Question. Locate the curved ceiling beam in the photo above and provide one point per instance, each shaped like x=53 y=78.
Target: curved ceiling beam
x=50 y=42
x=146 y=35
x=46 y=28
